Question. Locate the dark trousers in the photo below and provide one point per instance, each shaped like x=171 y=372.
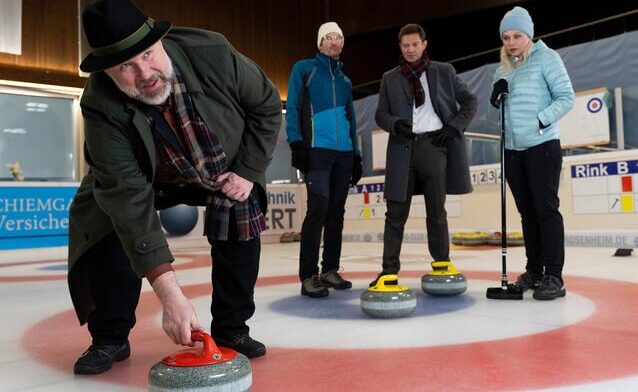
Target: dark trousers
x=234 y=274
x=115 y=288
x=428 y=165
x=533 y=176
x=327 y=182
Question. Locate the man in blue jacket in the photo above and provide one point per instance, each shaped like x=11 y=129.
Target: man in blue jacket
x=321 y=131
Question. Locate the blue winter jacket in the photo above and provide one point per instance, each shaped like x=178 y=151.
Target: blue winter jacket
x=319 y=107
x=539 y=89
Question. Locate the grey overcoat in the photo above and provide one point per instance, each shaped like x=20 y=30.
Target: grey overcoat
x=455 y=106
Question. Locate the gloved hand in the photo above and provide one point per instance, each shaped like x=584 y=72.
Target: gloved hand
x=357 y=170
x=299 y=156
x=500 y=88
x=403 y=128
x=441 y=136
x=541 y=125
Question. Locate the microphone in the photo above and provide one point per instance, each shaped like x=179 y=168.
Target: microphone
x=501 y=88
x=516 y=59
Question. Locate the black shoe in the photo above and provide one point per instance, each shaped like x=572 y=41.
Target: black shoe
x=387 y=282
x=333 y=279
x=528 y=280
x=551 y=287
x=99 y=358
x=244 y=344
x=313 y=287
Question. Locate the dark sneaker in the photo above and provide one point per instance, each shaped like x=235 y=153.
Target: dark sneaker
x=527 y=281
x=390 y=282
x=312 y=287
x=243 y=343
x=551 y=287
x=99 y=358
x=333 y=279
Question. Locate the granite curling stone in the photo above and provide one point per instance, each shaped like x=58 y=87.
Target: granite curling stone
x=514 y=238
x=444 y=279
x=214 y=369
x=470 y=238
x=388 y=300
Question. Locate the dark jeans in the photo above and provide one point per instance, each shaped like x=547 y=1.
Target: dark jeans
x=533 y=176
x=327 y=182
x=115 y=288
x=428 y=165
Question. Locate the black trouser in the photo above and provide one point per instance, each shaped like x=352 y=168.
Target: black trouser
x=428 y=164
x=533 y=176
x=234 y=274
x=327 y=182
x=115 y=288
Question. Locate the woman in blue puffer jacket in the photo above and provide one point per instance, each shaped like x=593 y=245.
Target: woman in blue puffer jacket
x=540 y=93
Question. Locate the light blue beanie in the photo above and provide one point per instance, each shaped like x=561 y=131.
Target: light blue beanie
x=517 y=19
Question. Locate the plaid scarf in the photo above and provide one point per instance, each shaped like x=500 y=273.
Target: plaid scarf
x=413 y=72
x=200 y=162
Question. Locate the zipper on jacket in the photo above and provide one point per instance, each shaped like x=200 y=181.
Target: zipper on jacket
x=508 y=111
x=334 y=104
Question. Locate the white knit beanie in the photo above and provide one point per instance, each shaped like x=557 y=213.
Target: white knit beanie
x=326 y=28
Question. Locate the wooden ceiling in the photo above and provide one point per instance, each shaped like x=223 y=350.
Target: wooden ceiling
x=277 y=33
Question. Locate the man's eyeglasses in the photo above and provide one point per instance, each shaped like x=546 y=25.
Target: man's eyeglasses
x=333 y=37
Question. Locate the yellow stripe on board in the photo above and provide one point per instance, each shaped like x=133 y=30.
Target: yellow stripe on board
x=627 y=203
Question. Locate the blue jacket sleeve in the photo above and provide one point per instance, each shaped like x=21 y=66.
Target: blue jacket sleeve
x=560 y=89
x=353 y=125
x=295 y=84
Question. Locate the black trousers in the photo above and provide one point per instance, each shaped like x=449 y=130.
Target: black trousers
x=533 y=176
x=115 y=288
x=428 y=165
x=327 y=182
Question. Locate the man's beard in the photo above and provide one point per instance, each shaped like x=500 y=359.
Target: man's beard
x=157 y=97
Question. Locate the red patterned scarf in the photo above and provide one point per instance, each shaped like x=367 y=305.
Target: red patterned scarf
x=200 y=162
x=413 y=72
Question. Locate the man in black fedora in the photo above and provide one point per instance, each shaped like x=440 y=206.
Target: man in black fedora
x=171 y=116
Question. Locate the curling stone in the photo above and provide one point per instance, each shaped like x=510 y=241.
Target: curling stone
x=213 y=369
x=514 y=238
x=444 y=279
x=388 y=301
x=469 y=238
x=494 y=238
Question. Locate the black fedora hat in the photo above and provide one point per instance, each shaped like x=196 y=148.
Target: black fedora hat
x=117 y=31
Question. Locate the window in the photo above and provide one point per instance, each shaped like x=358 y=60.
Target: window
x=38 y=129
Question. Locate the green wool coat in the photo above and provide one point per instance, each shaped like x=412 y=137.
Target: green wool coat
x=233 y=96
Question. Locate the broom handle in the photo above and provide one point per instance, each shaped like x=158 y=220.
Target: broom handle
x=503 y=210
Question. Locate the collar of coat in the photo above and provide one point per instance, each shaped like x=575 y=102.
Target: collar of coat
x=329 y=61
x=178 y=57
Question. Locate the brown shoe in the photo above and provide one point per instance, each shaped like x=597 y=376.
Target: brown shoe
x=333 y=279
x=312 y=287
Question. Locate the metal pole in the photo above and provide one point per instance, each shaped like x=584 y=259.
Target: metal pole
x=503 y=194
x=620 y=125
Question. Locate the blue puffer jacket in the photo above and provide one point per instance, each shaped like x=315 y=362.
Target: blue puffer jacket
x=319 y=108
x=539 y=89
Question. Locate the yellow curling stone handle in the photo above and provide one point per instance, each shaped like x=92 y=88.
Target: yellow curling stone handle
x=391 y=288
x=443 y=268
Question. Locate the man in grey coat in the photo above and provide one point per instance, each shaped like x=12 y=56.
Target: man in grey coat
x=425 y=108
